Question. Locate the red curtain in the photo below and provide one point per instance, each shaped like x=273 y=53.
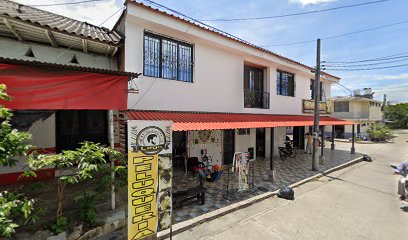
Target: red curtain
x=38 y=88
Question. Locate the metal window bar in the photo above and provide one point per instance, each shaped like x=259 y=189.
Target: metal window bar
x=256 y=99
x=151 y=56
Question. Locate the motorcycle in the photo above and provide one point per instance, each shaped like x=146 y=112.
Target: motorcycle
x=287 y=151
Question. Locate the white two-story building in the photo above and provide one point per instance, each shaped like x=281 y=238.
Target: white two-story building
x=224 y=94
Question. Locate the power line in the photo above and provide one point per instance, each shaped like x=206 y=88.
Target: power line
x=367 y=64
x=340 y=35
x=293 y=14
x=364 y=69
x=394 y=56
x=63 y=3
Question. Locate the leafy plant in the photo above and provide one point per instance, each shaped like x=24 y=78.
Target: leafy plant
x=12 y=206
x=12 y=142
x=379 y=132
x=88 y=160
x=87 y=211
x=60 y=225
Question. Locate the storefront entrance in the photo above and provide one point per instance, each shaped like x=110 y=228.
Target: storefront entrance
x=260 y=142
x=299 y=137
x=228 y=145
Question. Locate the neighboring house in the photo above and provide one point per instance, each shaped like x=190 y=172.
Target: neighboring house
x=61 y=73
x=364 y=111
x=214 y=84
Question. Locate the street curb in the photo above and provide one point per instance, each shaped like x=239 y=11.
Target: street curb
x=186 y=225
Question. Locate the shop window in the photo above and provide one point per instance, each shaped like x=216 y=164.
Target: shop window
x=167 y=58
x=285 y=84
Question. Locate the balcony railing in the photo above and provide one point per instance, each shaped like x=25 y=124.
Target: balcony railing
x=255 y=99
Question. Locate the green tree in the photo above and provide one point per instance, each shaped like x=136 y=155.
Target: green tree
x=398 y=114
x=87 y=161
x=13 y=143
x=379 y=132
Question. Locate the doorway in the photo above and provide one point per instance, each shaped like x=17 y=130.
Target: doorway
x=299 y=137
x=228 y=145
x=260 y=142
x=76 y=126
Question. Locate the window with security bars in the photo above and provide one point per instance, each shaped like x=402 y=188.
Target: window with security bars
x=285 y=84
x=312 y=91
x=167 y=58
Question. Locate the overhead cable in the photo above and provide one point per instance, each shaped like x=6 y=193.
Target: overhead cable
x=292 y=14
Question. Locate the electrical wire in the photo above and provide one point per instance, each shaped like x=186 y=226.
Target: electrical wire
x=394 y=56
x=365 y=69
x=340 y=35
x=292 y=14
x=63 y=3
x=367 y=64
x=348 y=89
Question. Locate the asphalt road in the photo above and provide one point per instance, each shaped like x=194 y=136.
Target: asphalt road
x=358 y=202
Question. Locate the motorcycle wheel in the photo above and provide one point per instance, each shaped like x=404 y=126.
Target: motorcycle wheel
x=292 y=153
x=282 y=156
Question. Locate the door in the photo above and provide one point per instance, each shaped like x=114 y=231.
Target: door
x=76 y=126
x=228 y=145
x=260 y=142
x=299 y=137
x=254 y=86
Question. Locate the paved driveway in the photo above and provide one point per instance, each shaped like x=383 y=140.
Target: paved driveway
x=359 y=202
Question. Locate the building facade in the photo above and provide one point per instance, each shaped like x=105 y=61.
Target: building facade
x=191 y=68
x=364 y=111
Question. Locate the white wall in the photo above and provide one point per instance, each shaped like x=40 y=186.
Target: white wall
x=218 y=71
x=43 y=136
x=243 y=142
x=214 y=150
x=16 y=50
x=279 y=139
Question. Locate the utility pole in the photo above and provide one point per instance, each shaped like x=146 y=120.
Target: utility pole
x=316 y=110
x=384 y=108
x=112 y=161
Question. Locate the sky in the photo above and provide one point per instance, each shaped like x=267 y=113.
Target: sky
x=266 y=33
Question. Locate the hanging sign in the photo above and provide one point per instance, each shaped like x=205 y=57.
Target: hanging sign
x=309 y=106
x=241 y=163
x=149 y=177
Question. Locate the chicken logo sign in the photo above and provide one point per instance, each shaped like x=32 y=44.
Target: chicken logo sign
x=149 y=178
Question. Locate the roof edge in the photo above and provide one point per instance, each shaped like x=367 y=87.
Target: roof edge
x=236 y=39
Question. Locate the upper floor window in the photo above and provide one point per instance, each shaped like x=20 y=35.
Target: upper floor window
x=341 y=107
x=254 y=94
x=285 y=84
x=312 y=93
x=167 y=58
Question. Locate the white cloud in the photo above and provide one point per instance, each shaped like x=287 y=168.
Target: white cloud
x=306 y=2
x=93 y=12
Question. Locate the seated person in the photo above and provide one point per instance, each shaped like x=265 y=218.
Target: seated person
x=213 y=176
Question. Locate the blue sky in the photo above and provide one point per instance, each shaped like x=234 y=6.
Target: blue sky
x=374 y=44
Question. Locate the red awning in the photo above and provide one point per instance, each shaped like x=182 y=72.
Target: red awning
x=189 y=121
x=43 y=88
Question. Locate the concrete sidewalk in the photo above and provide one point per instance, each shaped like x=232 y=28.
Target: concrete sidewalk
x=359 y=202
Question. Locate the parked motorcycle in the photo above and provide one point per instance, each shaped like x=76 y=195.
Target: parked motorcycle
x=287 y=151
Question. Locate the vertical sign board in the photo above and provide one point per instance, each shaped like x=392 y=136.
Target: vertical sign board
x=149 y=177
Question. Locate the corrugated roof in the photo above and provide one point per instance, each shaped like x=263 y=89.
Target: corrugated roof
x=68 y=67
x=190 y=121
x=206 y=27
x=57 y=22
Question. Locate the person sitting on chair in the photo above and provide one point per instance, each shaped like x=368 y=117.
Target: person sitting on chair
x=216 y=174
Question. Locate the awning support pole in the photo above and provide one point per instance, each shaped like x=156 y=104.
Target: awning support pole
x=112 y=161
x=353 y=150
x=322 y=143
x=332 y=138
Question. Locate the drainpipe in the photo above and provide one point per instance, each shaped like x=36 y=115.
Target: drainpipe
x=271 y=157
x=112 y=161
